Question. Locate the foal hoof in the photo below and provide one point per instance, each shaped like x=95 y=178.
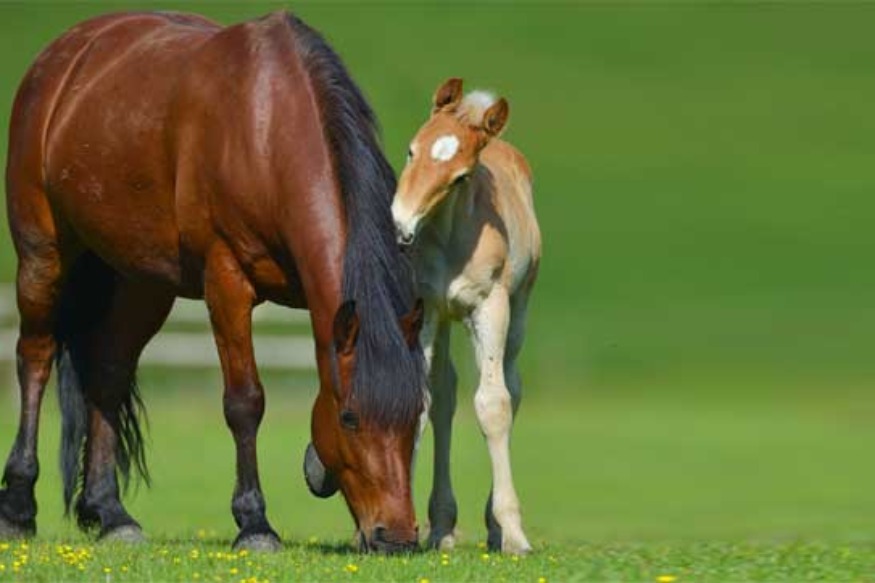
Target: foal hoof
x=442 y=541
x=258 y=543
x=129 y=534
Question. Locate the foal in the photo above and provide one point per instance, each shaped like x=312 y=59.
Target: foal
x=464 y=208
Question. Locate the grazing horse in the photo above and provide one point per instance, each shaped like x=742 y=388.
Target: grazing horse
x=156 y=155
x=464 y=208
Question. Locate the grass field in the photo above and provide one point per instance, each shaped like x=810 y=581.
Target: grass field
x=699 y=368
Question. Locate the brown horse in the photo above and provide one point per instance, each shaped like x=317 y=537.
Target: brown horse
x=160 y=155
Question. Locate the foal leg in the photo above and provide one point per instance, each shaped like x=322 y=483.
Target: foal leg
x=39 y=282
x=136 y=312
x=488 y=325
x=515 y=335
x=230 y=298
x=442 y=510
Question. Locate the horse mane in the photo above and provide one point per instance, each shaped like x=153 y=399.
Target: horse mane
x=389 y=377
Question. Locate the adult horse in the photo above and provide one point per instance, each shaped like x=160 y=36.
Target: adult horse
x=159 y=155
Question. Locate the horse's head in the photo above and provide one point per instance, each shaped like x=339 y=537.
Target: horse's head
x=366 y=457
x=444 y=153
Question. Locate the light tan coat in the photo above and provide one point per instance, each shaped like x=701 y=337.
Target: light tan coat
x=464 y=207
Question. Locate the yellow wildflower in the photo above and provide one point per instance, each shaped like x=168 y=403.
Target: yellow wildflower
x=666 y=579
x=107 y=570
x=542 y=580
x=485 y=556
x=242 y=553
x=352 y=568
x=424 y=580
x=233 y=570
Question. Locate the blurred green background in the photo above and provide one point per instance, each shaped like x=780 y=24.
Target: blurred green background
x=699 y=360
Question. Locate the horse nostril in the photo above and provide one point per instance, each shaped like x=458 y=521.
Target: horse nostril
x=379 y=535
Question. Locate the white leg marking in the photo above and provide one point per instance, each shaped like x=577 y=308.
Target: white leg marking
x=489 y=328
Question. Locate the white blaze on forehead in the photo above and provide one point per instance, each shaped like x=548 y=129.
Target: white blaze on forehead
x=444 y=148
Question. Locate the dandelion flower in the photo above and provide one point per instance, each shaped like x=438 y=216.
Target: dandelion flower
x=666 y=579
x=352 y=568
x=542 y=580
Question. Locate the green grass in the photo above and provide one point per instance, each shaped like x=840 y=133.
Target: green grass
x=626 y=486
x=209 y=560
x=698 y=365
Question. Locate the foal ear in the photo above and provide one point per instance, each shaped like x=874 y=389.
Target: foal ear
x=346 y=327
x=495 y=118
x=448 y=95
x=411 y=323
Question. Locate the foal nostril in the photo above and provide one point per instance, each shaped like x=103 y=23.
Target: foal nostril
x=405 y=239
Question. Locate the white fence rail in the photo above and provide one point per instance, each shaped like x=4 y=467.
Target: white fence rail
x=282 y=336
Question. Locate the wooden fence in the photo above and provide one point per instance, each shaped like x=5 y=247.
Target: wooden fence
x=282 y=336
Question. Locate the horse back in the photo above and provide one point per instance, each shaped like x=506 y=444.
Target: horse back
x=152 y=135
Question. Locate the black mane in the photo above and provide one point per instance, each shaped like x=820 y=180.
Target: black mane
x=389 y=377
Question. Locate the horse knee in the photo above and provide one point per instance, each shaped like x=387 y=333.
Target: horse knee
x=494 y=409
x=244 y=407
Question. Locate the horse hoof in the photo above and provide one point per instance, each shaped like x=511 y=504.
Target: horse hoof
x=128 y=534
x=513 y=546
x=442 y=542
x=10 y=530
x=259 y=543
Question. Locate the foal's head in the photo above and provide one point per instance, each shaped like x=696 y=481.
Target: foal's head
x=444 y=153
x=362 y=442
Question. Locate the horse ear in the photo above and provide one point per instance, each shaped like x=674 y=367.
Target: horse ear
x=411 y=323
x=495 y=118
x=346 y=327
x=448 y=95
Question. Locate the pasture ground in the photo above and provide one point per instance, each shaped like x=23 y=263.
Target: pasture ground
x=630 y=485
x=699 y=365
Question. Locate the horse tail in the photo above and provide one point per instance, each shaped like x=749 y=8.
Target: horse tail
x=85 y=300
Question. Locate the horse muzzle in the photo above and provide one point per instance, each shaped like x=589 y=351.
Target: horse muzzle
x=320 y=481
x=382 y=541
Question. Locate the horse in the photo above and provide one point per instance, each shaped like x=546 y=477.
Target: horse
x=161 y=155
x=464 y=210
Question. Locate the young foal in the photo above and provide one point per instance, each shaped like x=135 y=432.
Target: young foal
x=464 y=207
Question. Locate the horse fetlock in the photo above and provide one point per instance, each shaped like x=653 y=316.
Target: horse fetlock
x=442 y=513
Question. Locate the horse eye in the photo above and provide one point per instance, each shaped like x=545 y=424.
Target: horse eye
x=409 y=155
x=349 y=419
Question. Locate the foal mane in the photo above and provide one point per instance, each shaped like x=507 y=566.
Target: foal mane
x=389 y=377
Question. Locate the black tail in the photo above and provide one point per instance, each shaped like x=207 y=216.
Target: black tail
x=84 y=302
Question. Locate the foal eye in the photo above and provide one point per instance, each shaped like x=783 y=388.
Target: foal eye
x=409 y=155
x=349 y=419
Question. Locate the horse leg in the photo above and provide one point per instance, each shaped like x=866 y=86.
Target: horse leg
x=230 y=298
x=442 y=509
x=488 y=325
x=112 y=350
x=515 y=335
x=39 y=280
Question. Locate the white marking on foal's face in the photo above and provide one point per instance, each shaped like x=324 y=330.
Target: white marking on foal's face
x=444 y=148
